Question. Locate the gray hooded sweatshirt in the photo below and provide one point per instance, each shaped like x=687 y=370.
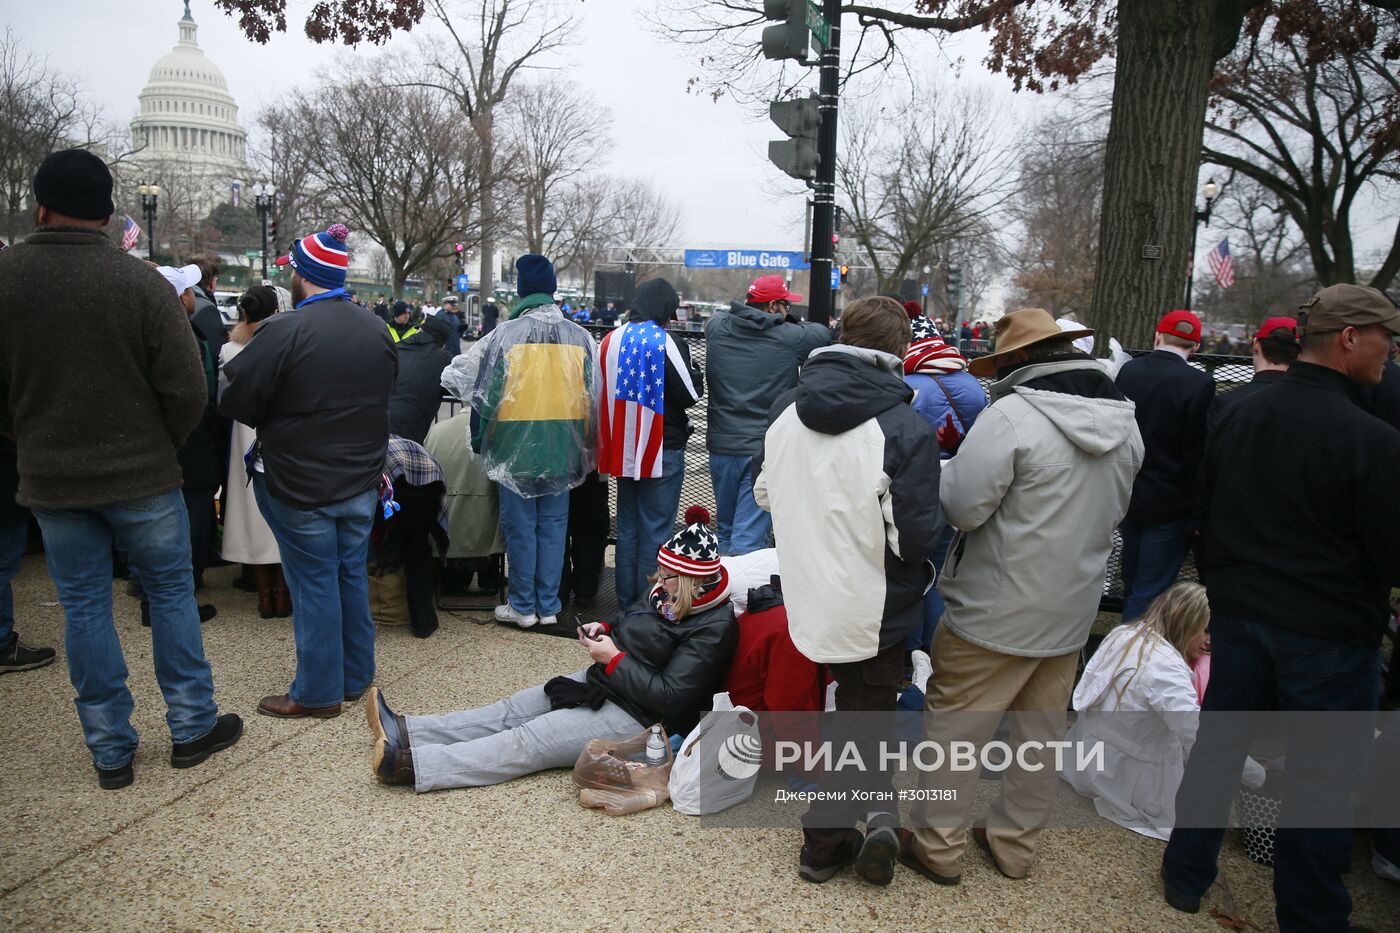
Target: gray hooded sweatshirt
x=1035 y=491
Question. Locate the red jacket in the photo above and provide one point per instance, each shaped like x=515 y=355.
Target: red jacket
x=768 y=672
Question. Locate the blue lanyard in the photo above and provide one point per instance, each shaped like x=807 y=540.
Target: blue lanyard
x=323 y=296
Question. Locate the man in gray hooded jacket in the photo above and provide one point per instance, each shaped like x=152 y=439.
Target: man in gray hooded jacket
x=1035 y=491
x=753 y=352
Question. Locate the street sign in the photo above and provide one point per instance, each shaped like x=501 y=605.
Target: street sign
x=253 y=253
x=462 y=282
x=821 y=29
x=835 y=277
x=924 y=288
x=781 y=260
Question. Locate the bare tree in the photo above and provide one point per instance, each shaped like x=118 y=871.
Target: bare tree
x=910 y=187
x=555 y=130
x=1057 y=207
x=1302 y=130
x=280 y=156
x=39 y=110
x=488 y=43
x=390 y=160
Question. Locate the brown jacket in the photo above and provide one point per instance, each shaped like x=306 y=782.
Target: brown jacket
x=100 y=378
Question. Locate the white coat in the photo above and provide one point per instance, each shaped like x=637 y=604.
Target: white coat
x=1144 y=754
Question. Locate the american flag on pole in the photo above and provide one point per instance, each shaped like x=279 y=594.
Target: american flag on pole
x=631 y=420
x=130 y=232
x=1221 y=265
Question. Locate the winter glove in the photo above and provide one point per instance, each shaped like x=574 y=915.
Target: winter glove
x=949 y=437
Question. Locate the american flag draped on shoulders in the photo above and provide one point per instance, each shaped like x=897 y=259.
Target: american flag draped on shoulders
x=631 y=421
x=1221 y=265
x=130 y=232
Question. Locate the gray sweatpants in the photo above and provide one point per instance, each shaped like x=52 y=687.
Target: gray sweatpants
x=515 y=736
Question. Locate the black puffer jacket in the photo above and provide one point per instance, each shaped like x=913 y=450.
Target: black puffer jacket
x=668 y=671
x=656 y=300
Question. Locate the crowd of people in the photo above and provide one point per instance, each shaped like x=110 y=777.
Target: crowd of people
x=877 y=510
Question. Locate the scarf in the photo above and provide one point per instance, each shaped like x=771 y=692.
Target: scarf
x=712 y=594
x=932 y=355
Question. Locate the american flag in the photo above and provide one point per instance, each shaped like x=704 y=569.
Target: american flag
x=631 y=420
x=1221 y=265
x=130 y=232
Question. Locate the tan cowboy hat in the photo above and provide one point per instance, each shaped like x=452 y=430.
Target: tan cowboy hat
x=1020 y=329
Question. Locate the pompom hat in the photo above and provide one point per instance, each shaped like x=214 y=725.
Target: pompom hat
x=693 y=551
x=322 y=258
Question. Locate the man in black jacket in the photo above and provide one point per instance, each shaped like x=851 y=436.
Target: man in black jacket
x=417 y=392
x=1299 y=588
x=316 y=386
x=1172 y=400
x=1275 y=348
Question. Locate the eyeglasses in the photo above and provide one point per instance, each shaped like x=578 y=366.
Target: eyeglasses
x=668 y=579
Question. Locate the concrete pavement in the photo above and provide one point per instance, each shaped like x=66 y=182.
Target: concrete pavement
x=288 y=830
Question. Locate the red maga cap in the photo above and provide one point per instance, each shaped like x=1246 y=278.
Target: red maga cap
x=771 y=288
x=1181 y=324
x=1277 y=323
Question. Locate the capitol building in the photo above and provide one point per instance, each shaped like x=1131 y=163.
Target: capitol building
x=188 y=126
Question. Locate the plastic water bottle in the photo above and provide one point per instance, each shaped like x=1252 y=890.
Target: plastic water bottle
x=656 y=748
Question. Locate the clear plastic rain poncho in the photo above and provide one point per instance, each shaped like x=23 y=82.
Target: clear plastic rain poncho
x=533 y=385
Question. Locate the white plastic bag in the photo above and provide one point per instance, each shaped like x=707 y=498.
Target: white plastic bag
x=718 y=765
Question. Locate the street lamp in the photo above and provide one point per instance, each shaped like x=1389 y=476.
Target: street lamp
x=263 y=200
x=1210 y=191
x=149 y=192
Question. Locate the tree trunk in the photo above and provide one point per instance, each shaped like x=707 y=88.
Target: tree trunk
x=1151 y=164
x=398 y=275
x=485 y=134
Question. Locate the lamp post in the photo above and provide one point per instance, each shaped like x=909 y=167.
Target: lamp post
x=263 y=201
x=149 y=192
x=1210 y=190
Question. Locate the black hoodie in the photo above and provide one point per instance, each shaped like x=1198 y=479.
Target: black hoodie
x=656 y=300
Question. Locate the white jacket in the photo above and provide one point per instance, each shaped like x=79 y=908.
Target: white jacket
x=1146 y=735
x=1036 y=490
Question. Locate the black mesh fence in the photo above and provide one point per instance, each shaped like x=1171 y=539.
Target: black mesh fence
x=1229 y=373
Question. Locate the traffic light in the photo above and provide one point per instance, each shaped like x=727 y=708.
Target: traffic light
x=788 y=39
x=955 y=286
x=800 y=119
x=845 y=270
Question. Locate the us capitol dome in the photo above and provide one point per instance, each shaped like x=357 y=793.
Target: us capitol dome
x=189 y=120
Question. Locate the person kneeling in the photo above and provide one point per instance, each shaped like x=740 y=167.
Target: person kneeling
x=659 y=661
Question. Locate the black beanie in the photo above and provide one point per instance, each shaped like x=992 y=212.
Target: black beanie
x=401 y=307
x=535 y=276
x=76 y=183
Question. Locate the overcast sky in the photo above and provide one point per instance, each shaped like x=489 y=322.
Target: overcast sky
x=710 y=158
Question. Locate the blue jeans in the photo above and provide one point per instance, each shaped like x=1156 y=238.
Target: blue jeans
x=324 y=552
x=921 y=638
x=14 y=534
x=741 y=525
x=1152 y=556
x=155 y=534
x=1260 y=667
x=646 y=512
x=534 y=530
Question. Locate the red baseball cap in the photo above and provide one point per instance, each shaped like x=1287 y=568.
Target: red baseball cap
x=767 y=288
x=1277 y=323
x=1181 y=324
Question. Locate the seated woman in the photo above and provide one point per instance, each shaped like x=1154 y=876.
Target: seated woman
x=660 y=661
x=1143 y=667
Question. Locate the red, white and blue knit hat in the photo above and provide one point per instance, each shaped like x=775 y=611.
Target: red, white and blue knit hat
x=322 y=258
x=693 y=551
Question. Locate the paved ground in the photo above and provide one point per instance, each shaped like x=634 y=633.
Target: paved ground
x=288 y=830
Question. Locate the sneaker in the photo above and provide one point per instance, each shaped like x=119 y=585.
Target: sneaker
x=115 y=778
x=21 y=657
x=506 y=613
x=227 y=730
x=808 y=870
x=923 y=670
x=875 y=863
x=549 y=620
x=1384 y=867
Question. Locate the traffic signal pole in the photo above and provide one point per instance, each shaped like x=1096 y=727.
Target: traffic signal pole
x=822 y=299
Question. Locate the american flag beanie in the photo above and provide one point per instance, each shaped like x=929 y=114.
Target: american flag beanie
x=928 y=353
x=693 y=551
x=322 y=258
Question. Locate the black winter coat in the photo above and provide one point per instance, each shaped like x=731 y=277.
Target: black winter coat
x=1224 y=400
x=1172 y=400
x=418 y=389
x=669 y=671
x=200 y=466
x=1298 y=513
